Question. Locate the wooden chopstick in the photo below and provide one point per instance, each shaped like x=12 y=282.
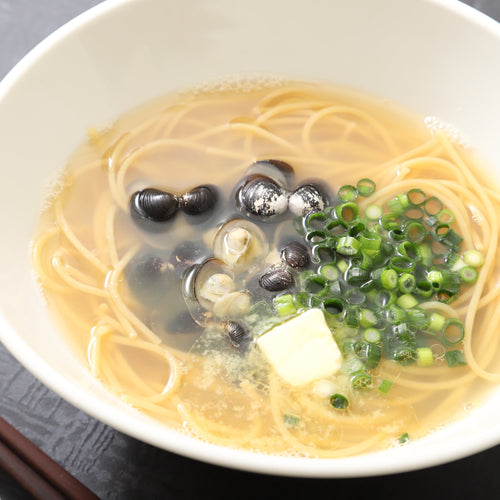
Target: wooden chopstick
x=35 y=471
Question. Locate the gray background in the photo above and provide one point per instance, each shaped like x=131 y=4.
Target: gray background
x=116 y=466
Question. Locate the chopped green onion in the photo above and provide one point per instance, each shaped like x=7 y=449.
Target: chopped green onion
x=473 y=258
x=366 y=187
x=395 y=315
x=367 y=318
x=389 y=279
x=424 y=289
x=437 y=322
x=435 y=278
x=415 y=232
x=418 y=317
x=451 y=239
x=316 y=236
x=355 y=296
x=352 y=316
x=389 y=221
x=284 y=305
x=406 y=301
x=291 y=420
x=361 y=380
x=347 y=245
x=353 y=366
x=399 y=204
x=373 y=212
x=453 y=331
x=370 y=243
x=330 y=272
x=348 y=193
x=407 y=283
x=432 y=206
x=335 y=307
x=337 y=228
x=339 y=402
x=416 y=196
x=409 y=250
x=424 y=356
x=401 y=264
x=315 y=221
x=356 y=275
x=455 y=358
x=385 y=386
x=342 y=265
x=405 y=356
x=425 y=252
x=316 y=285
x=404 y=438
x=372 y=335
x=468 y=274
x=347 y=212
x=446 y=216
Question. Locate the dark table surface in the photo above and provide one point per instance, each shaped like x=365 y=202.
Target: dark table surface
x=115 y=466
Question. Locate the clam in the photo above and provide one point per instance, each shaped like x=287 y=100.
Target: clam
x=152 y=205
x=240 y=244
x=232 y=305
x=277 y=280
x=261 y=197
x=307 y=198
x=279 y=171
x=237 y=333
x=186 y=254
x=295 y=255
x=198 y=200
x=203 y=285
x=149 y=277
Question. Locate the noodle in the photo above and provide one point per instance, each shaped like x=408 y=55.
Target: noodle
x=86 y=243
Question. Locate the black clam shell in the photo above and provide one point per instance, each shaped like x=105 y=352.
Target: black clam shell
x=277 y=280
x=152 y=205
x=237 y=333
x=279 y=171
x=186 y=254
x=307 y=198
x=198 y=200
x=295 y=255
x=260 y=196
x=149 y=277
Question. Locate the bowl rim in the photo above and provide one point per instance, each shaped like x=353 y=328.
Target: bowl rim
x=174 y=441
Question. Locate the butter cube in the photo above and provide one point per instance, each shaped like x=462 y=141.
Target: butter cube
x=302 y=349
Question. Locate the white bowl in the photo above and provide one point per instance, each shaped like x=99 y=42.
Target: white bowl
x=439 y=57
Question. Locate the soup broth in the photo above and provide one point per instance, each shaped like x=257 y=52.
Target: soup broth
x=126 y=290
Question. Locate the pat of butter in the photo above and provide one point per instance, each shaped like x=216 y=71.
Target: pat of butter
x=302 y=349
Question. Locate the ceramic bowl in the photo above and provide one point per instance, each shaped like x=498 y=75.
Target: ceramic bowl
x=438 y=57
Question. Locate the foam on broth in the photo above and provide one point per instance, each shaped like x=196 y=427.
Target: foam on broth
x=210 y=136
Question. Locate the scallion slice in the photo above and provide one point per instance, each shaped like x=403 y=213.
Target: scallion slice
x=366 y=187
x=339 y=401
x=468 y=274
x=473 y=258
x=424 y=356
x=348 y=193
x=455 y=358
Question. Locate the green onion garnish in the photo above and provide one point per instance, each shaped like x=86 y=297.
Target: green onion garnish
x=348 y=193
x=468 y=274
x=385 y=386
x=291 y=420
x=339 y=402
x=366 y=187
x=455 y=358
x=473 y=258
x=424 y=356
